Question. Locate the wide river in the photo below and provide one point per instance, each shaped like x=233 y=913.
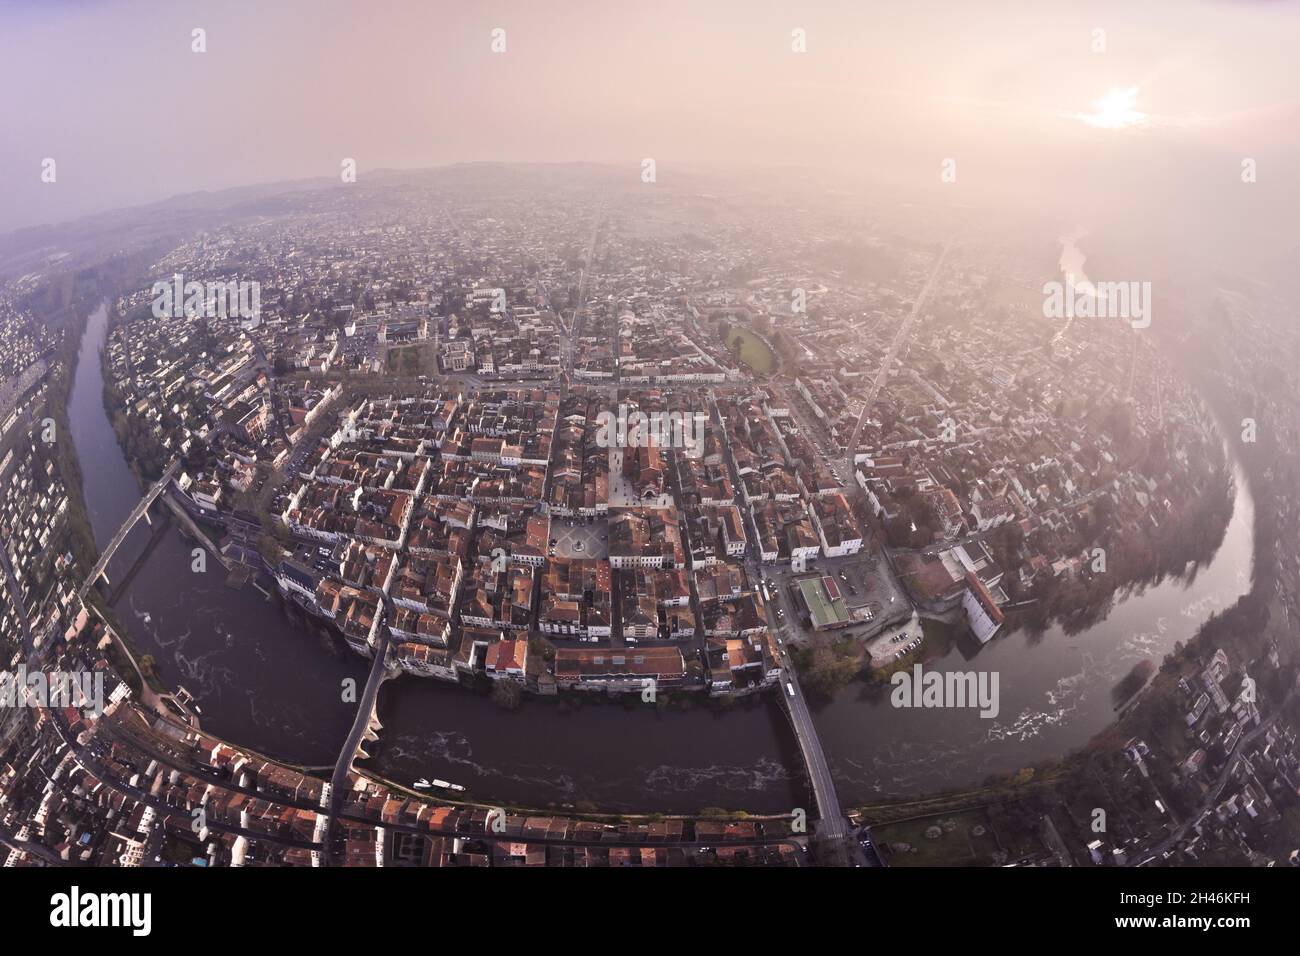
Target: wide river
x=269 y=684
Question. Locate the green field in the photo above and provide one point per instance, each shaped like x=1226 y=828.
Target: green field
x=753 y=350
x=412 y=360
x=913 y=843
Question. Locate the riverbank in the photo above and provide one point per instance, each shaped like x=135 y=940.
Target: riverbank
x=1249 y=629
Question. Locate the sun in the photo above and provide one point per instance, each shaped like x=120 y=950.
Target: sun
x=1116 y=110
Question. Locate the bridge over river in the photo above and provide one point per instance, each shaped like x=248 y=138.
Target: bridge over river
x=141 y=510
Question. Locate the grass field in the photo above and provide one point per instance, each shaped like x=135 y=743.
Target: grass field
x=412 y=360
x=753 y=350
x=965 y=838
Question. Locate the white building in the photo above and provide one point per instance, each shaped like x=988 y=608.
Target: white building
x=985 y=617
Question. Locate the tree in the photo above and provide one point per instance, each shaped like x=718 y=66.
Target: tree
x=148 y=667
x=830 y=670
x=507 y=694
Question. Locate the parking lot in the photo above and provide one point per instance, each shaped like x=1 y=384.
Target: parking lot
x=867 y=586
x=895 y=641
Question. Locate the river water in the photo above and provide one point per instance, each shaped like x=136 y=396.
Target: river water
x=1055 y=688
x=268 y=683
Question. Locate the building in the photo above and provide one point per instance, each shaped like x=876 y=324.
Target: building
x=824 y=603
x=507 y=658
x=985 y=617
x=627 y=670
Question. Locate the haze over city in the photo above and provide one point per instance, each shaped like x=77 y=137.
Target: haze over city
x=688 y=435
x=1014 y=92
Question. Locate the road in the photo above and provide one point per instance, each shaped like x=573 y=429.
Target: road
x=94 y=765
x=575 y=327
x=209 y=776
x=48 y=856
x=16 y=600
x=832 y=826
x=360 y=725
x=89 y=761
x=1212 y=797
x=887 y=362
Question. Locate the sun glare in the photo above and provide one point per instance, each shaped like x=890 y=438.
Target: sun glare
x=1116 y=110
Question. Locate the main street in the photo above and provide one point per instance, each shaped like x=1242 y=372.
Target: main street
x=16 y=601
x=361 y=724
x=891 y=353
x=832 y=828
x=575 y=326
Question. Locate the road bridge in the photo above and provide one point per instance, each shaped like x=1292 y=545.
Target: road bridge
x=833 y=826
x=363 y=726
x=141 y=510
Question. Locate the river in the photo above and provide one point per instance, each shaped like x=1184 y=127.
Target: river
x=272 y=685
x=1055 y=688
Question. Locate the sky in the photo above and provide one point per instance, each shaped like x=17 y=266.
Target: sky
x=1017 y=94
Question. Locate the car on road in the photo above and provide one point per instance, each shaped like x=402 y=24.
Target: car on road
x=789 y=688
